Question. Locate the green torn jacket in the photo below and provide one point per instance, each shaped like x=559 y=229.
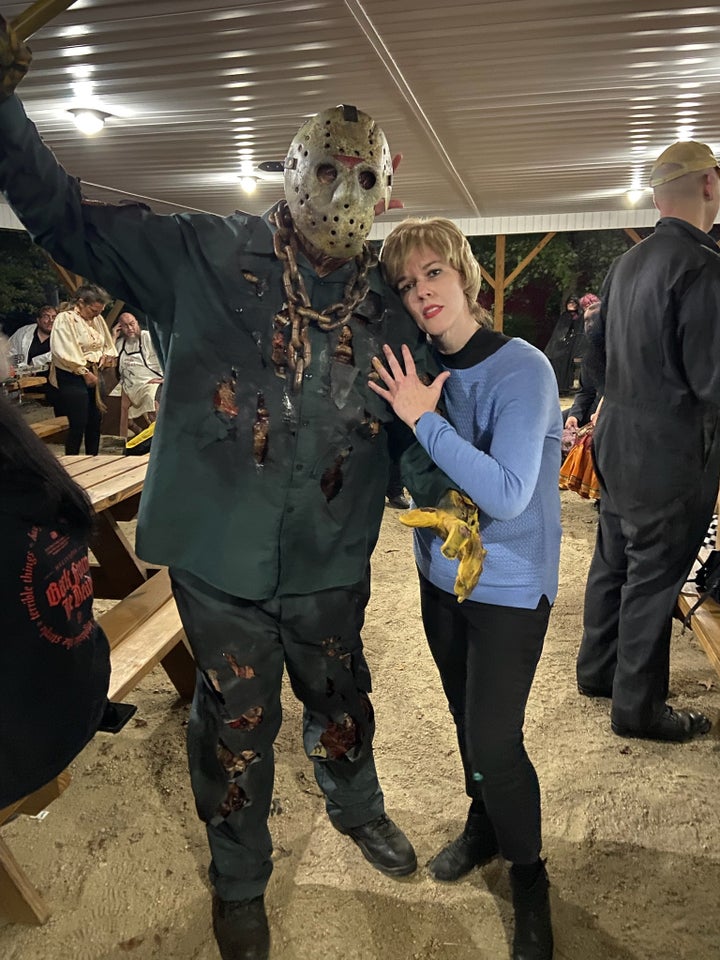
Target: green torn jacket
x=308 y=517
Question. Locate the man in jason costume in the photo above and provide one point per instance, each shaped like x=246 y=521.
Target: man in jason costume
x=269 y=466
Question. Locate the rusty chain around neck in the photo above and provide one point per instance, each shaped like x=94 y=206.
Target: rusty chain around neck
x=298 y=312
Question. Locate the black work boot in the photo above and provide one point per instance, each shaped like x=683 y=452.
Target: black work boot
x=533 y=938
x=384 y=845
x=475 y=846
x=241 y=928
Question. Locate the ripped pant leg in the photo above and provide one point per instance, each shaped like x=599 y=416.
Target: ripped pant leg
x=329 y=675
x=234 y=721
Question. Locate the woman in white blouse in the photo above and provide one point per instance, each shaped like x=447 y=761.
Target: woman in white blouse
x=81 y=345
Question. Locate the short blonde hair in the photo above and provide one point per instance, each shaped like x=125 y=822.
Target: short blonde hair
x=443 y=238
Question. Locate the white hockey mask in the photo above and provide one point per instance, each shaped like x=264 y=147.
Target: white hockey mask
x=337 y=168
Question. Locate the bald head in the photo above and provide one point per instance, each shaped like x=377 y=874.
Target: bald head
x=128 y=325
x=694 y=197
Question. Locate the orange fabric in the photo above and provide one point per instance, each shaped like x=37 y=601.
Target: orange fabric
x=578 y=472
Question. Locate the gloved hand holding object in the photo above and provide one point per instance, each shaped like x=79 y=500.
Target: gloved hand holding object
x=455 y=520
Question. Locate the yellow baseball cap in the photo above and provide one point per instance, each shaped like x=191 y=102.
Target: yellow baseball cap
x=685 y=156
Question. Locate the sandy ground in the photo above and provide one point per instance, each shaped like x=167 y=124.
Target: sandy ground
x=631 y=828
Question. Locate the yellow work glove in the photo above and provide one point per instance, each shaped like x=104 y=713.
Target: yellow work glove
x=15 y=59
x=455 y=520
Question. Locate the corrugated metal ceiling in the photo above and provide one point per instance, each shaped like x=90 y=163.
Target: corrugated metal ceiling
x=517 y=108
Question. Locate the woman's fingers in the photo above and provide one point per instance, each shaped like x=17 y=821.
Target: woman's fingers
x=385 y=394
x=438 y=383
x=408 y=361
x=393 y=362
x=382 y=371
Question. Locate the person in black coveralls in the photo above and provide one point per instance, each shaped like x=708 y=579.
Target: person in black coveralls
x=657 y=447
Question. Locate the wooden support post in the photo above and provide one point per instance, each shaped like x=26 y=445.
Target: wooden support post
x=499 y=281
x=486 y=277
x=633 y=234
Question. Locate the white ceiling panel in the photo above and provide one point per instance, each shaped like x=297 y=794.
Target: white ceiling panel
x=513 y=109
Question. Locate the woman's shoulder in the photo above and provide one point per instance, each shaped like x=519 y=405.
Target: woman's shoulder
x=525 y=360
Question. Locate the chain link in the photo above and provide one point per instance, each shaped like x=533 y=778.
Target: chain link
x=297 y=312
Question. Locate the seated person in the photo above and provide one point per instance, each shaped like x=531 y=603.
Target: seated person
x=54 y=657
x=139 y=369
x=31 y=343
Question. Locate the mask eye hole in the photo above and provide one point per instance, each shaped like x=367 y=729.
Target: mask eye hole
x=367 y=179
x=326 y=173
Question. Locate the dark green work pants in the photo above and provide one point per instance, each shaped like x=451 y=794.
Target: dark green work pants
x=241 y=647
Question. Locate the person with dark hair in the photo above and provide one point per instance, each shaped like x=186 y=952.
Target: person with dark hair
x=81 y=346
x=31 y=343
x=499 y=441
x=54 y=657
x=269 y=466
x=561 y=348
x=592 y=370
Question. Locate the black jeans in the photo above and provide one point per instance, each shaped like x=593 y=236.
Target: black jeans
x=241 y=647
x=77 y=402
x=487 y=656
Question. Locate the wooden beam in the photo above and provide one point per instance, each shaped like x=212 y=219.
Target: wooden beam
x=71 y=281
x=117 y=309
x=633 y=234
x=37 y=15
x=486 y=277
x=531 y=256
x=499 y=281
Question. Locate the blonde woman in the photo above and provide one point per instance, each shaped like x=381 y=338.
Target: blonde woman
x=498 y=442
x=81 y=345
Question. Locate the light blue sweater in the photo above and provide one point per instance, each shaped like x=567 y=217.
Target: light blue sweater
x=500 y=444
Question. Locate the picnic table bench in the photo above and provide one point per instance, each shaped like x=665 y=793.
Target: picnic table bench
x=50 y=429
x=143 y=629
x=705 y=622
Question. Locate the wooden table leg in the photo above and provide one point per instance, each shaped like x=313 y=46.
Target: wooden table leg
x=120 y=571
x=19 y=900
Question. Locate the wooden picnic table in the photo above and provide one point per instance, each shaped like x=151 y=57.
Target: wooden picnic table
x=114 y=485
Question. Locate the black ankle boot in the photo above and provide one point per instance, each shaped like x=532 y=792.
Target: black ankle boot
x=533 y=938
x=384 y=845
x=475 y=846
x=241 y=929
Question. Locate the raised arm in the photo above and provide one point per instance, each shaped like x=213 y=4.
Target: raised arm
x=127 y=249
